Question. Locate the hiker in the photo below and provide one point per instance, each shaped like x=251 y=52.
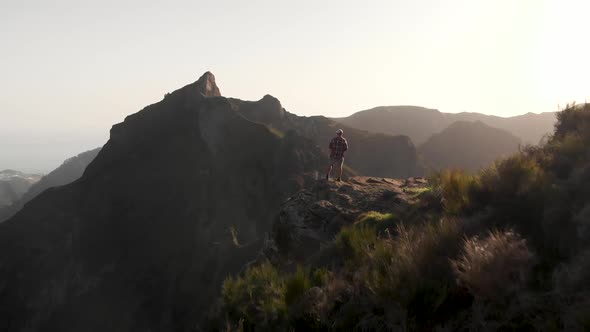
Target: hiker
x=338 y=145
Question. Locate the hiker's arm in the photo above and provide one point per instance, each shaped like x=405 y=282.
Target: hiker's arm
x=345 y=145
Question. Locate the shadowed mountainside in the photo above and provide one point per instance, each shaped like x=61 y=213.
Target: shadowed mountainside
x=13 y=185
x=420 y=123
x=180 y=196
x=467 y=145
x=69 y=171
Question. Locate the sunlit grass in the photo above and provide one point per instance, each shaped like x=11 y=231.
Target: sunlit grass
x=278 y=133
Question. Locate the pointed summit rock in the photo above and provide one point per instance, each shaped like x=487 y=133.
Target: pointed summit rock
x=206 y=85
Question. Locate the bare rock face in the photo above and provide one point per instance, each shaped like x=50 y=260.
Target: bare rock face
x=206 y=86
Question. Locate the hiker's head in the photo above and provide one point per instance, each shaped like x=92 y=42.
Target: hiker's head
x=339 y=132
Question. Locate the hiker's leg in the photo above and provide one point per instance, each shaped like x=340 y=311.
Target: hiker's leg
x=329 y=171
x=340 y=170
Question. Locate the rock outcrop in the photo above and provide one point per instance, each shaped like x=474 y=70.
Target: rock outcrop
x=312 y=217
x=206 y=86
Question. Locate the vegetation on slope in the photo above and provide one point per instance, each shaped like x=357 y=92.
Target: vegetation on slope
x=507 y=249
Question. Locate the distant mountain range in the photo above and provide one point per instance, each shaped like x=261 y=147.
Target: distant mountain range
x=69 y=171
x=466 y=141
x=421 y=123
x=13 y=185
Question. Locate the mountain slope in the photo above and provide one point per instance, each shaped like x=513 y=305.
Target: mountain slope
x=69 y=171
x=13 y=185
x=468 y=145
x=420 y=123
x=369 y=154
x=179 y=197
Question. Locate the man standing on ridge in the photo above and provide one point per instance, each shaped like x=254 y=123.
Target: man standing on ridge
x=338 y=145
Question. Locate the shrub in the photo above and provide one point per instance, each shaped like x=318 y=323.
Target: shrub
x=321 y=277
x=494 y=267
x=296 y=285
x=513 y=177
x=258 y=297
x=410 y=271
x=399 y=263
x=516 y=189
x=457 y=188
x=355 y=241
x=573 y=119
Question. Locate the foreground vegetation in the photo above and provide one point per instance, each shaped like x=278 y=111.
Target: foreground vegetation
x=507 y=249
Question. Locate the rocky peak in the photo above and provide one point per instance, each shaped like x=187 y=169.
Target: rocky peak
x=271 y=102
x=206 y=85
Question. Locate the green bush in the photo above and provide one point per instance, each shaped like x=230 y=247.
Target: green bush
x=400 y=262
x=321 y=277
x=569 y=145
x=296 y=285
x=354 y=242
x=257 y=297
x=457 y=188
x=265 y=299
x=574 y=119
x=411 y=270
x=566 y=153
x=514 y=176
x=515 y=190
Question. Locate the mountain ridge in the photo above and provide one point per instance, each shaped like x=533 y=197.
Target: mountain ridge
x=371 y=154
x=420 y=123
x=70 y=170
x=454 y=147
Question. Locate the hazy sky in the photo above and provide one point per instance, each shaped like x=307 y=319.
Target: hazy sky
x=71 y=69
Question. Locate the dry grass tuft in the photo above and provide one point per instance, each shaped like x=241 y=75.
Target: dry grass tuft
x=494 y=267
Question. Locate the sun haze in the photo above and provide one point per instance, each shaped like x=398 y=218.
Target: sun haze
x=70 y=70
